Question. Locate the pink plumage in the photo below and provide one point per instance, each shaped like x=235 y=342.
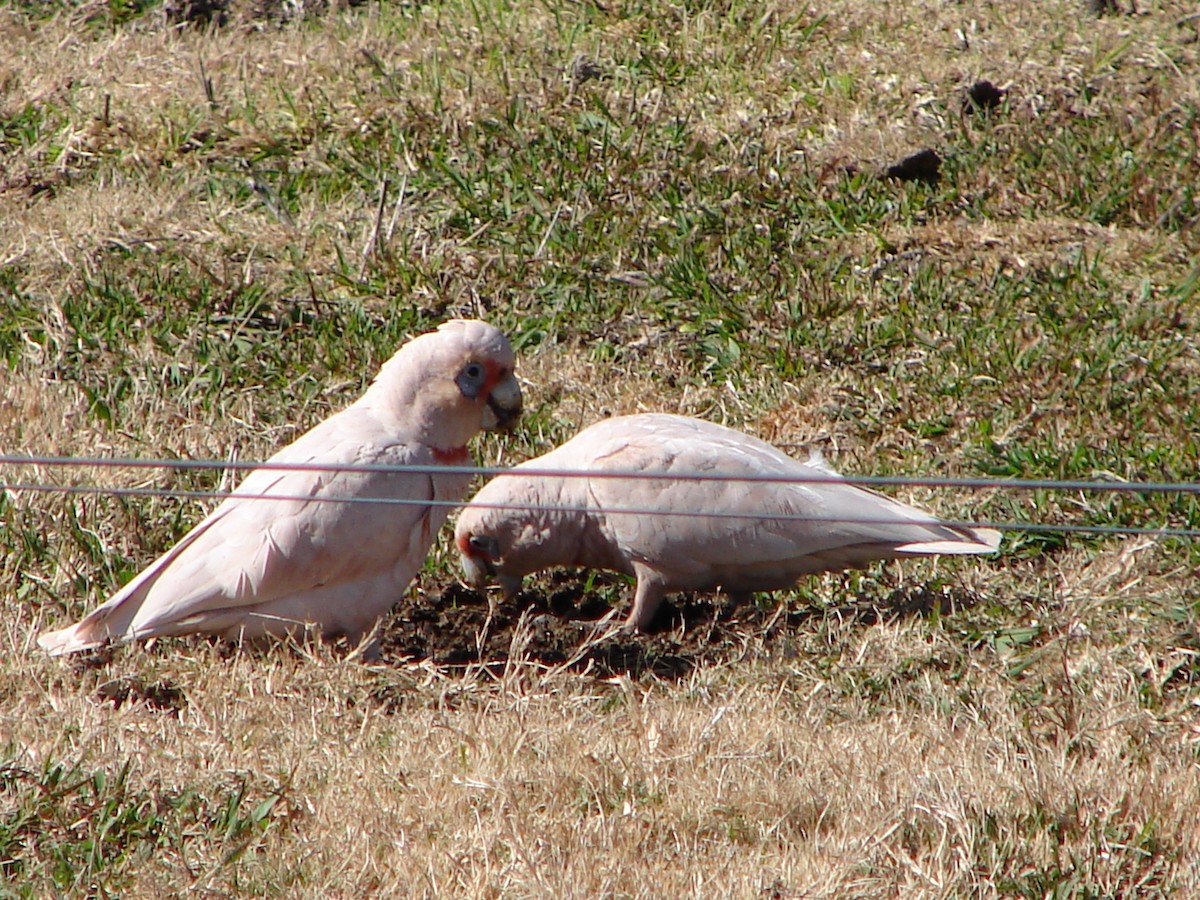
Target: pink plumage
x=284 y=554
x=681 y=534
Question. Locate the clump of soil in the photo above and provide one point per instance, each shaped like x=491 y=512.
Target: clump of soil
x=557 y=626
x=983 y=97
x=159 y=695
x=924 y=165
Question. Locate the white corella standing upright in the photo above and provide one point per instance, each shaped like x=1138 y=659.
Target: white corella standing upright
x=287 y=551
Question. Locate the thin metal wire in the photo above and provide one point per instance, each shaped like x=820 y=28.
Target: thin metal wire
x=818 y=477
x=1065 y=528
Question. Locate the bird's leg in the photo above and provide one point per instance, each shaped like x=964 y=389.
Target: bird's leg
x=646 y=599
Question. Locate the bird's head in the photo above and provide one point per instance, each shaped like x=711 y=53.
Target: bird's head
x=483 y=537
x=441 y=388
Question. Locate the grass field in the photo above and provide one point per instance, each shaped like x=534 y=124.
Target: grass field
x=211 y=237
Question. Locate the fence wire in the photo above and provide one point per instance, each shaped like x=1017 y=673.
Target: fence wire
x=1111 y=485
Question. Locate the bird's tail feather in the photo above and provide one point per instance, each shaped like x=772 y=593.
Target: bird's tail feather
x=67 y=640
x=975 y=540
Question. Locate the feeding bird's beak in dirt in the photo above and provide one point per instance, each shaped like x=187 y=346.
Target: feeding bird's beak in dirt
x=481 y=563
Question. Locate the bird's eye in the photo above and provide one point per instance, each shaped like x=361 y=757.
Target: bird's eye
x=470 y=379
x=488 y=546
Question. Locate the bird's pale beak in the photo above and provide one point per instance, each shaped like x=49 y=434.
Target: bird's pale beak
x=479 y=554
x=503 y=405
x=475 y=571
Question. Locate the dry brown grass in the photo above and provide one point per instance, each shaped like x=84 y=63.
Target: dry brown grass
x=1035 y=735
x=752 y=777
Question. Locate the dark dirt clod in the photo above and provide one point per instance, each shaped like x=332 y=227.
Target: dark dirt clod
x=982 y=96
x=585 y=70
x=924 y=165
x=196 y=12
x=92 y=659
x=158 y=695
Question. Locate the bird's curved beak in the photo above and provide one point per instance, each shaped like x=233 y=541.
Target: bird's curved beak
x=503 y=405
x=475 y=571
x=478 y=574
x=479 y=555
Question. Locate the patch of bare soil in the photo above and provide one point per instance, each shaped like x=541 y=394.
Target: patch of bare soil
x=557 y=627
x=162 y=696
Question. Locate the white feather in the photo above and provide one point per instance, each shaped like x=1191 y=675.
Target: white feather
x=766 y=536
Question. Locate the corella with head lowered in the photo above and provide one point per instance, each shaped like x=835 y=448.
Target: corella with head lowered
x=329 y=548
x=737 y=532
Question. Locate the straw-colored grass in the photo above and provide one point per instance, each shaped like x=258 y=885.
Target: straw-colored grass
x=211 y=238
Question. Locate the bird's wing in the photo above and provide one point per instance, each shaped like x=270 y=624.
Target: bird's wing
x=284 y=532
x=696 y=527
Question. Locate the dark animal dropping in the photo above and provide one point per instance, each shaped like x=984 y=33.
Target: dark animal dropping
x=924 y=165
x=982 y=96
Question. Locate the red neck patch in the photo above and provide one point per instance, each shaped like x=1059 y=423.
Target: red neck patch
x=455 y=456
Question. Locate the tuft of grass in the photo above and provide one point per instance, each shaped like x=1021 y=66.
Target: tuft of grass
x=71 y=828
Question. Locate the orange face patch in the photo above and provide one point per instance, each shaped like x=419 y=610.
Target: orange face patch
x=495 y=372
x=464 y=544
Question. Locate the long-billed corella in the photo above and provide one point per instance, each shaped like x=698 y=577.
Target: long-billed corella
x=305 y=547
x=759 y=521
